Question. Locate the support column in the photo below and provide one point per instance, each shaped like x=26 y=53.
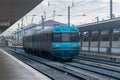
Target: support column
x=81 y=40
x=99 y=40
x=89 y=41
x=110 y=40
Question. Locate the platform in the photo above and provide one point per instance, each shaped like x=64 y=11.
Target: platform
x=13 y=69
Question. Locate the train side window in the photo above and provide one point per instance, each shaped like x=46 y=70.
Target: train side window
x=38 y=38
x=32 y=38
x=35 y=38
x=42 y=37
x=27 y=39
x=48 y=37
x=45 y=37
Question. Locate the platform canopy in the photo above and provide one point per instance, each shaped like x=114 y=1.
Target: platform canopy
x=101 y=25
x=13 y=10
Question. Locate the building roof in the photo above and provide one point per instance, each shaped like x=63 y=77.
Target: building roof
x=12 y=10
x=50 y=23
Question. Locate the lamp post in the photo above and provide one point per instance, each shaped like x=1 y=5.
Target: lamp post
x=33 y=18
x=68 y=15
x=44 y=15
x=42 y=22
x=54 y=14
x=97 y=18
x=111 y=10
x=15 y=40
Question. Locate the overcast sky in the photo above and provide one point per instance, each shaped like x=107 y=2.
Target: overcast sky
x=90 y=8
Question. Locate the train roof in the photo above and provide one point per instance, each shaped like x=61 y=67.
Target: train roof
x=65 y=28
x=62 y=28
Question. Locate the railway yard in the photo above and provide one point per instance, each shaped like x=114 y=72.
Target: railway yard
x=59 y=40
x=80 y=68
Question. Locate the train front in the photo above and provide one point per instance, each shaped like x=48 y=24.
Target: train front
x=65 y=42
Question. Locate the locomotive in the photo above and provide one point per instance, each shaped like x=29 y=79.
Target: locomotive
x=59 y=41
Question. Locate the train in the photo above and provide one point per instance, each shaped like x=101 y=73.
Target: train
x=59 y=42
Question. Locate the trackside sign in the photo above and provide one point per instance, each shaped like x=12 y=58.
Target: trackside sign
x=5 y=23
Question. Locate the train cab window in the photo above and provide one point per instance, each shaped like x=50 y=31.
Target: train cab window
x=56 y=37
x=74 y=37
x=65 y=37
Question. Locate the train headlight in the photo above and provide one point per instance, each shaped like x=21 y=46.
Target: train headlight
x=57 y=45
x=74 y=45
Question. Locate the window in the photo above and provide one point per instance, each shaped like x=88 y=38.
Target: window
x=95 y=38
x=105 y=38
x=56 y=37
x=116 y=31
x=105 y=32
x=94 y=32
x=85 y=38
x=65 y=37
x=116 y=38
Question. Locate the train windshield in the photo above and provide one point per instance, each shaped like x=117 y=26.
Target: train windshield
x=56 y=37
x=74 y=37
x=65 y=37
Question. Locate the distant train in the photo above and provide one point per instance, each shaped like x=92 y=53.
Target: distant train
x=60 y=41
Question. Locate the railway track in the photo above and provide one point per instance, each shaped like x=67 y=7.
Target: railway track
x=76 y=67
x=111 y=63
x=99 y=70
x=104 y=67
x=58 y=72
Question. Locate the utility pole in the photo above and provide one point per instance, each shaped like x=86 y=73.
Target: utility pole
x=21 y=33
x=21 y=36
x=18 y=31
x=42 y=22
x=22 y=21
x=97 y=18
x=68 y=15
x=111 y=10
x=54 y=14
x=32 y=18
x=44 y=15
x=15 y=41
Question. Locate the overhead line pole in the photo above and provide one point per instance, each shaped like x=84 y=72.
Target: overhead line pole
x=42 y=22
x=68 y=15
x=111 y=10
x=44 y=15
x=54 y=14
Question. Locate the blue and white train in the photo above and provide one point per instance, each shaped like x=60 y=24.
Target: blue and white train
x=60 y=41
